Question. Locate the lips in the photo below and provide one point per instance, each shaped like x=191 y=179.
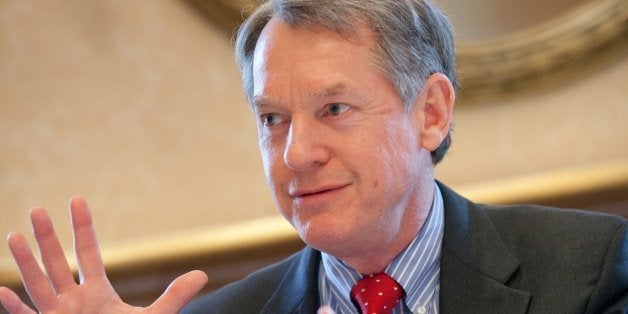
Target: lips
x=303 y=193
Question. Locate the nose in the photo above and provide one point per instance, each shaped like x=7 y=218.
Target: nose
x=305 y=146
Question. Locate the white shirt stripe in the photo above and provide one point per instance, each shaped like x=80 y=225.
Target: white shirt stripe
x=416 y=268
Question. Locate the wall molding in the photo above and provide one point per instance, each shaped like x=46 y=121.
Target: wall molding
x=567 y=42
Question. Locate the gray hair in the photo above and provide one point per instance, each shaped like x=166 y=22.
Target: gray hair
x=413 y=39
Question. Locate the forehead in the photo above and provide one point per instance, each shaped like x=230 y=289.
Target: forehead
x=356 y=30
x=287 y=54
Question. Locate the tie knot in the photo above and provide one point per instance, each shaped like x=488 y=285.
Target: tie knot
x=377 y=294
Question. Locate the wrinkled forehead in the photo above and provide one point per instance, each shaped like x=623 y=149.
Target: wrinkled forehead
x=285 y=43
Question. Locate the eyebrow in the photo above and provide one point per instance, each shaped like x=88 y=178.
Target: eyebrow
x=327 y=92
x=331 y=91
x=260 y=101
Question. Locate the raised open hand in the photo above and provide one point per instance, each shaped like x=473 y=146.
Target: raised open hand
x=56 y=290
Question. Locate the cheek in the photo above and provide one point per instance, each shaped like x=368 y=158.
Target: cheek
x=399 y=157
x=267 y=159
x=272 y=161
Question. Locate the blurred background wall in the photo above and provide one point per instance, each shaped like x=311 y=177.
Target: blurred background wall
x=137 y=106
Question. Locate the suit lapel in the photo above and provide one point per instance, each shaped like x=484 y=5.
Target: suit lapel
x=298 y=290
x=476 y=265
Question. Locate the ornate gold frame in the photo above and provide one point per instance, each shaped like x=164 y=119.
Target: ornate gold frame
x=503 y=64
x=567 y=42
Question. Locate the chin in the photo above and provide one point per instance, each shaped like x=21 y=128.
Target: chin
x=322 y=234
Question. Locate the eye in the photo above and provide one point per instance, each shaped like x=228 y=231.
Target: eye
x=336 y=109
x=270 y=119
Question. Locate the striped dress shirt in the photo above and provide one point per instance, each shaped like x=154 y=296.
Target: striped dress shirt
x=416 y=268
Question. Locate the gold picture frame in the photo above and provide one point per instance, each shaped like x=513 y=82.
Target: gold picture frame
x=501 y=65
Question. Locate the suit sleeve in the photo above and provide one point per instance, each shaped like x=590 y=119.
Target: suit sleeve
x=611 y=293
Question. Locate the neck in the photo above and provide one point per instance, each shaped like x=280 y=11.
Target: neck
x=378 y=256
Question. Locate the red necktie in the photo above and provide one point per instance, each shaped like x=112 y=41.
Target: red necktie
x=377 y=294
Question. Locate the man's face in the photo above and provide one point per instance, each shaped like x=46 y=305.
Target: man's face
x=341 y=155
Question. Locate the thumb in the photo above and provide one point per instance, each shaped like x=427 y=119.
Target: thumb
x=12 y=303
x=180 y=292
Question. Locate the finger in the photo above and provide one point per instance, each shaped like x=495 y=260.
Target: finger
x=12 y=303
x=35 y=281
x=85 y=244
x=180 y=292
x=51 y=252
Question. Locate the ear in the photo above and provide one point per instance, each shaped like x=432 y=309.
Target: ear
x=438 y=97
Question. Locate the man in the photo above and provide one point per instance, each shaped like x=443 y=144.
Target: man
x=354 y=100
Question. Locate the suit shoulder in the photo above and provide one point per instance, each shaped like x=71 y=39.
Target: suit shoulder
x=558 y=236
x=553 y=221
x=584 y=253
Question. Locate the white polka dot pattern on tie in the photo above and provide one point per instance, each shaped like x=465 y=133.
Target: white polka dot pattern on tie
x=377 y=294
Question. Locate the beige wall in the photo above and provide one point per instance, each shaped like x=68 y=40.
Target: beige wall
x=572 y=121
x=137 y=106
x=134 y=104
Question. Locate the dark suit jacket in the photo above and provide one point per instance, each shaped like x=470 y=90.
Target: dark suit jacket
x=495 y=259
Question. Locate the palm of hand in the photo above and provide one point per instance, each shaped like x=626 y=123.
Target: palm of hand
x=57 y=292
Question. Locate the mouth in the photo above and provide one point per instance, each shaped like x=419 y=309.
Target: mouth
x=303 y=194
